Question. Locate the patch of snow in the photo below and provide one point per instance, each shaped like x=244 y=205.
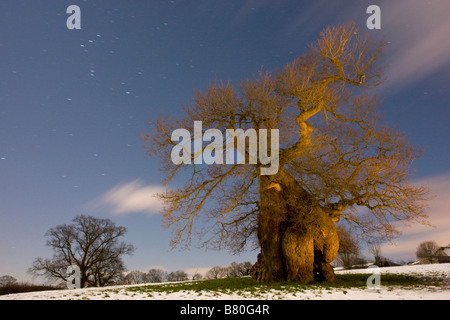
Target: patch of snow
x=382 y=293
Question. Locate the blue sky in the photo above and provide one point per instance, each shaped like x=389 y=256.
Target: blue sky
x=73 y=104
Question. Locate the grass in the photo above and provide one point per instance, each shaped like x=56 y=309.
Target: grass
x=249 y=288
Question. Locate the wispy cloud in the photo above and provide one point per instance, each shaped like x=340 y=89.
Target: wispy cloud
x=131 y=197
x=439 y=216
x=418 y=32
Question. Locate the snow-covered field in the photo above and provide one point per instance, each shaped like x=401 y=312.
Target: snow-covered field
x=383 y=292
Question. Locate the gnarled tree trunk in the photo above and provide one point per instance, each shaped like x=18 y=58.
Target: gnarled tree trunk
x=297 y=239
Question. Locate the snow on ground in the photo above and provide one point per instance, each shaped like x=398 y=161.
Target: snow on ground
x=381 y=293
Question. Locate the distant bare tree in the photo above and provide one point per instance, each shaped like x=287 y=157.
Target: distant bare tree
x=90 y=243
x=156 y=275
x=135 y=277
x=231 y=271
x=374 y=248
x=240 y=269
x=178 y=275
x=197 y=276
x=234 y=270
x=215 y=273
x=426 y=250
x=7 y=280
x=349 y=247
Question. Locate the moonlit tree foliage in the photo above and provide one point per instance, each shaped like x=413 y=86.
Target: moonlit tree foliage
x=90 y=243
x=336 y=158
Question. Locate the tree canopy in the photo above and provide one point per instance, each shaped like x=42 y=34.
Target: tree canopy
x=90 y=243
x=332 y=141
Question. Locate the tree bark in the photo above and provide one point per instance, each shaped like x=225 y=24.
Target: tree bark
x=297 y=239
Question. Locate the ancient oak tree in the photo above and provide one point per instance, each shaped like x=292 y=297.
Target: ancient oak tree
x=337 y=162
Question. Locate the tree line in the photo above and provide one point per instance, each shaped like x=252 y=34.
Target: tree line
x=10 y=285
x=159 y=275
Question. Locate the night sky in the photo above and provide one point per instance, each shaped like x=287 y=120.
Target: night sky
x=73 y=105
